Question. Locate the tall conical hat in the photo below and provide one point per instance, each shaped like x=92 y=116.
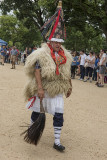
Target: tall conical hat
x=54 y=28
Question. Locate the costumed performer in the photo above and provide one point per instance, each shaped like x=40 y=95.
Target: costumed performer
x=48 y=69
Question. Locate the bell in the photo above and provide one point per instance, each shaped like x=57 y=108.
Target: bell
x=60 y=4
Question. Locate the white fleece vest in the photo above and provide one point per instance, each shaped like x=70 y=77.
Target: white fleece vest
x=52 y=83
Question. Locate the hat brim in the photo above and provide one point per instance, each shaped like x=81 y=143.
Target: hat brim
x=56 y=40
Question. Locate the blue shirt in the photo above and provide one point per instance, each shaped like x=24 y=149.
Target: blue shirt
x=96 y=61
x=75 y=59
x=37 y=66
x=14 y=52
x=4 y=51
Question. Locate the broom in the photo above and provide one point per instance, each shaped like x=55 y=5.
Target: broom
x=34 y=132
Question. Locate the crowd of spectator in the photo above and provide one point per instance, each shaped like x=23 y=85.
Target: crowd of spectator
x=13 y=55
x=90 y=67
x=9 y=55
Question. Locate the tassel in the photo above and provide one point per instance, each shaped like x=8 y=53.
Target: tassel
x=57 y=70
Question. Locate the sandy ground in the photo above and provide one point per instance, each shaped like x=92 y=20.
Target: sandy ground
x=85 y=122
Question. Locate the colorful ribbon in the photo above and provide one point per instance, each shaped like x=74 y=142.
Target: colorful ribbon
x=34 y=98
x=56 y=23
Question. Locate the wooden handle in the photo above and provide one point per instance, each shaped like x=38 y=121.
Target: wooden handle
x=41 y=108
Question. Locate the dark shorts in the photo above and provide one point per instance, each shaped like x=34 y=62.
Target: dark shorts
x=102 y=69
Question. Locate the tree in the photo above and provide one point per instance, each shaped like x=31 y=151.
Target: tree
x=14 y=30
x=8 y=28
x=87 y=40
x=92 y=12
x=77 y=13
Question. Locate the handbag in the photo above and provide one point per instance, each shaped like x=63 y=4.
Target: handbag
x=86 y=64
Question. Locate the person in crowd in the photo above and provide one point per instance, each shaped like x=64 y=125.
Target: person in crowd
x=17 y=57
x=82 y=58
x=90 y=60
x=95 y=67
x=102 y=67
x=78 y=69
x=3 y=53
x=49 y=72
x=25 y=55
x=105 y=77
x=74 y=65
x=7 y=56
x=78 y=65
x=71 y=51
x=13 y=54
x=29 y=51
x=97 y=70
x=34 y=48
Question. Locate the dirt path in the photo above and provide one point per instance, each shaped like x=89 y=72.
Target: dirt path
x=85 y=122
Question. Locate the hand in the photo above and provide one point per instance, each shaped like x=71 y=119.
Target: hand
x=69 y=92
x=40 y=93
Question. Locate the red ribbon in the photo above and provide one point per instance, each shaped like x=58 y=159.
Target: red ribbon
x=34 y=98
x=56 y=23
x=57 y=70
x=61 y=53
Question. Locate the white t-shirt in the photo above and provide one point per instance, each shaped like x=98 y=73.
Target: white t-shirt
x=102 y=58
x=90 y=59
x=83 y=57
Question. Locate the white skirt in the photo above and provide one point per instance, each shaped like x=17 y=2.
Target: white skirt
x=51 y=105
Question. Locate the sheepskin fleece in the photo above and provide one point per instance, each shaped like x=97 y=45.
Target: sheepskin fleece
x=52 y=83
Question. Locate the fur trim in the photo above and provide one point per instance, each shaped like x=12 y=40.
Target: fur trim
x=51 y=82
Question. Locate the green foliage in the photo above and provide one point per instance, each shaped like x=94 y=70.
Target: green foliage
x=88 y=40
x=10 y=43
x=8 y=27
x=15 y=33
x=85 y=20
